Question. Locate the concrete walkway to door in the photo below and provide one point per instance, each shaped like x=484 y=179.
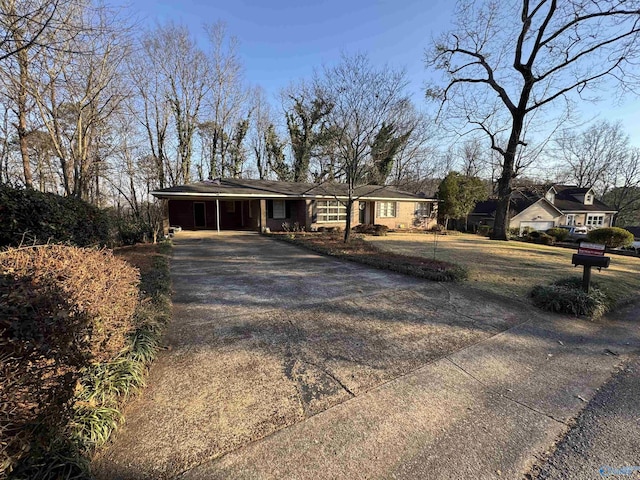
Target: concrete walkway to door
x=285 y=364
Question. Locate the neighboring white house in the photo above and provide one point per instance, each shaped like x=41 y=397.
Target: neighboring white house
x=541 y=208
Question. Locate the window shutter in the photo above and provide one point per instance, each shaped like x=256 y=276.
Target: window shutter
x=314 y=212
x=269 y=208
x=287 y=209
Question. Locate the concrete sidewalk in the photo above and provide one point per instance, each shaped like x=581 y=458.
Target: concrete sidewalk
x=285 y=364
x=488 y=411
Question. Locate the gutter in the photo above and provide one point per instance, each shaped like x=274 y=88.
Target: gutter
x=284 y=197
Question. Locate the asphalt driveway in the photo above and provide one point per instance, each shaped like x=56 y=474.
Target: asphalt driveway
x=267 y=338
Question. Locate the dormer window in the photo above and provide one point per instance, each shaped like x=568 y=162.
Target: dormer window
x=588 y=199
x=550 y=196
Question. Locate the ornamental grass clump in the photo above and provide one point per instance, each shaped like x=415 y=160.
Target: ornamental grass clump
x=567 y=296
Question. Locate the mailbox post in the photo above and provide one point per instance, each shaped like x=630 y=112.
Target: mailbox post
x=590 y=255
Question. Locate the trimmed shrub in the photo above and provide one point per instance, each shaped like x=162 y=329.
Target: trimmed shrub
x=566 y=296
x=514 y=232
x=612 y=237
x=61 y=309
x=540 y=238
x=560 y=234
x=29 y=216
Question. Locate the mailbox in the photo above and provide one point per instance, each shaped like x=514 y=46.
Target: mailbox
x=590 y=260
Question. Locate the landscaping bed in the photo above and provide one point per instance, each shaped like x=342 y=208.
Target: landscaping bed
x=359 y=250
x=512 y=268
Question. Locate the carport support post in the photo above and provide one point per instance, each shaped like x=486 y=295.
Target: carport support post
x=263 y=215
x=586 y=278
x=218 y=215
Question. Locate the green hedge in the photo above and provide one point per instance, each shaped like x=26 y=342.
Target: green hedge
x=560 y=234
x=612 y=237
x=30 y=216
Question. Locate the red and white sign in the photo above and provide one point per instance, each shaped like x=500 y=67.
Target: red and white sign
x=591 y=249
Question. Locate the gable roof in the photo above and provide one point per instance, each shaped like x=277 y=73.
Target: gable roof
x=245 y=188
x=518 y=204
x=565 y=200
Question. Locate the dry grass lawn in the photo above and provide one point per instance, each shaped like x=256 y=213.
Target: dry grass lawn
x=512 y=268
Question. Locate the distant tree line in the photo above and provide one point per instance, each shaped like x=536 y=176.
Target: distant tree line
x=93 y=108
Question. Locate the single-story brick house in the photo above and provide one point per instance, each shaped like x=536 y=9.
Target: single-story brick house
x=237 y=204
x=542 y=208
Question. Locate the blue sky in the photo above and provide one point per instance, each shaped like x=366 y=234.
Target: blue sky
x=283 y=41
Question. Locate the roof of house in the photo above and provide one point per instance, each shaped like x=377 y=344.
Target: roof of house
x=518 y=204
x=239 y=188
x=634 y=230
x=565 y=200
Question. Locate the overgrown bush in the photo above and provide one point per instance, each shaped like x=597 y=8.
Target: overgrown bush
x=612 y=237
x=514 y=232
x=560 y=234
x=566 y=296
x=131 y=231
x=368 y=229
x=29 y=216
x=540 y=238
x=61 y=309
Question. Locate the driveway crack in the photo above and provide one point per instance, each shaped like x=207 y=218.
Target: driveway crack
x=330 y=375
x=511 y=399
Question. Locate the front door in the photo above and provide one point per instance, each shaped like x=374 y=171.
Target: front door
x=363 y=209
x=199 y=220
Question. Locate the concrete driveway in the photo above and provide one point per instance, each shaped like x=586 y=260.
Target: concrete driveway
x=285 y=364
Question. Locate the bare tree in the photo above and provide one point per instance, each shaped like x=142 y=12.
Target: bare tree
x=507 y=61
x=261 y=121
x=228 y=100
x=624 y=192
x=151 y=106
x=305 y=111
x=364 y=100
x=593 y=157
x=183 y=76
x=29 y=31
x=76 y=93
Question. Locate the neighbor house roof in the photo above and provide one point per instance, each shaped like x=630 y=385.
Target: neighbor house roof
x=244 y=188
x=517 y=205
x=634 y=230
x=565 y=200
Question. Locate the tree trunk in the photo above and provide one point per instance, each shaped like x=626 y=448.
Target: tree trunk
x=23 y=62
x=347 y=229
x=501 y=222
